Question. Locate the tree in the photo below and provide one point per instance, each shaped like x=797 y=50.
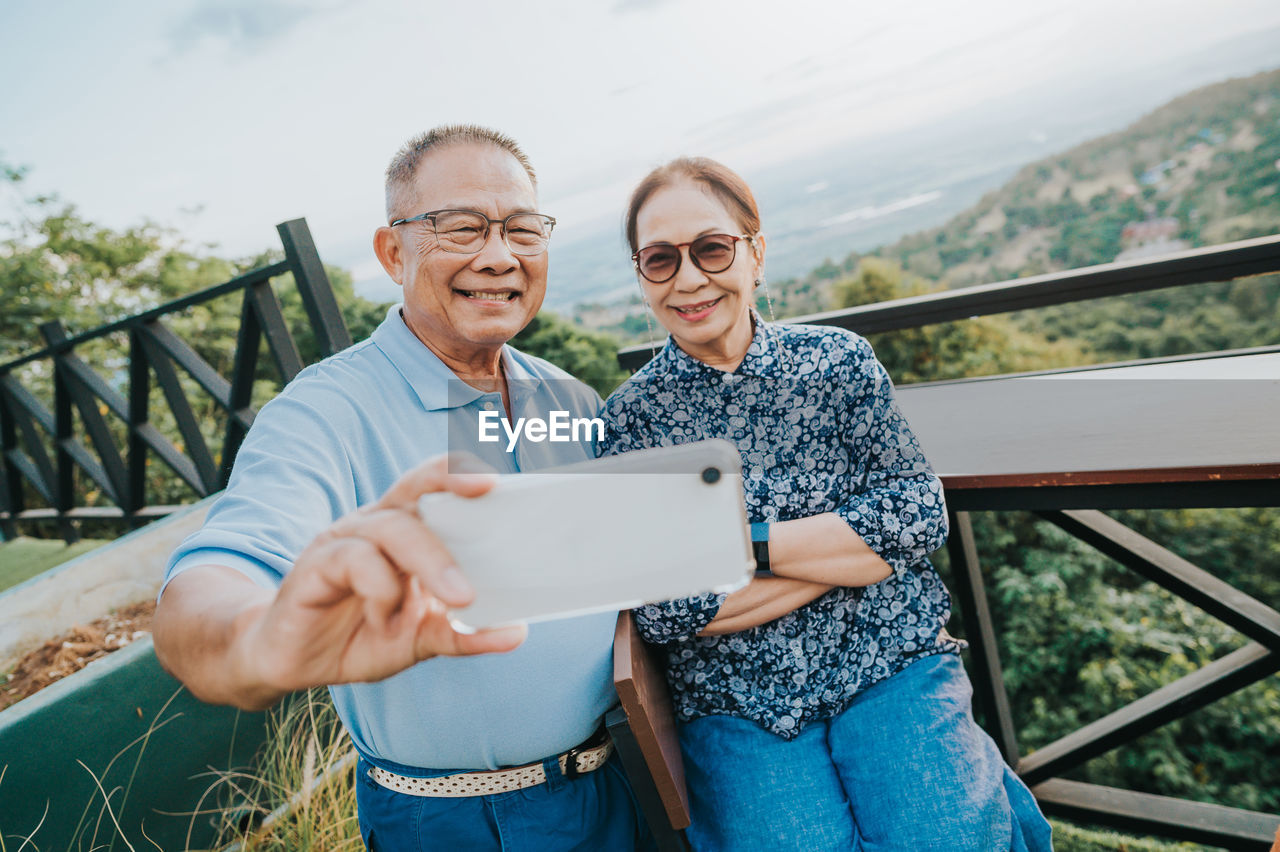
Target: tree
x=950 y=350
x=592 y=358
x=57 y=265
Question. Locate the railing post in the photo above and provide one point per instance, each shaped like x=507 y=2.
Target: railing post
x=314 y=287
x=11 y=486
x=135 y=497
x=989 y=693
x=240 y=396
x=64 y=481
x=79 y=394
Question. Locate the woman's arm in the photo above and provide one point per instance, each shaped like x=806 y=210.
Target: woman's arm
x=824 y=549
x=761 y=601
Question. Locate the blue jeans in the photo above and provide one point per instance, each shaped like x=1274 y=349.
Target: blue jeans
x=903 y=768
x=592 y=812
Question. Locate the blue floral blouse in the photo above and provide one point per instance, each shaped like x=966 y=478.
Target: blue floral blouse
x=813 y=413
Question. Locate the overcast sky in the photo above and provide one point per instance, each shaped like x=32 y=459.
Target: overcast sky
x=223 y=119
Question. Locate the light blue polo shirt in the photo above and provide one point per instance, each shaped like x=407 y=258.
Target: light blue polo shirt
x=336 y=438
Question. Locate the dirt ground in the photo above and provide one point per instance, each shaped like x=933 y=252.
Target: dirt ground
x=75 y=649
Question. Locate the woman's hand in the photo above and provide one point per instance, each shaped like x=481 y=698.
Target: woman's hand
x=761 y=601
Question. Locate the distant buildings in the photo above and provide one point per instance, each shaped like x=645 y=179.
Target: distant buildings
x=1151 y=238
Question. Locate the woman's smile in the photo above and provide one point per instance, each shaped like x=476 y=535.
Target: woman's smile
x=696 y=311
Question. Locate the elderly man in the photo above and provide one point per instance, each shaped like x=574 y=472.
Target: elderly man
x=314 y=568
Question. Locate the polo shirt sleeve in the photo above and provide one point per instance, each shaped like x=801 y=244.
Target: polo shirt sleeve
x=292 y=478
x=897 y=507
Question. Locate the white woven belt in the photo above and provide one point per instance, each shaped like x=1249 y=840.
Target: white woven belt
x=496 y=781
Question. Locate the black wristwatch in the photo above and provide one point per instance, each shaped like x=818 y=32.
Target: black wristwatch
x=760 y=549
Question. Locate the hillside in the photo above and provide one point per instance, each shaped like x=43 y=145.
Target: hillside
x=1203 y=169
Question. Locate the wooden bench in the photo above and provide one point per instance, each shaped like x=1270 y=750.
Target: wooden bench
x=644 y=733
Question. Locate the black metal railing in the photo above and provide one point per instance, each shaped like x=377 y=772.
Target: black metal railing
x=1076 y=511
x=104 y=430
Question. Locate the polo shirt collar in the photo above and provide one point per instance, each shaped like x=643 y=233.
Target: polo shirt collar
x=760 y=360
x=436 y=386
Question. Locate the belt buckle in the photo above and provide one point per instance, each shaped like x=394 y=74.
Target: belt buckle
x=597 y=739
x=571 y=771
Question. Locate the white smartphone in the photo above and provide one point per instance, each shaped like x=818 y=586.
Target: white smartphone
x=608 y=534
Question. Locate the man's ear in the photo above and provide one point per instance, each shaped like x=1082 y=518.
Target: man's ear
x=386 y=245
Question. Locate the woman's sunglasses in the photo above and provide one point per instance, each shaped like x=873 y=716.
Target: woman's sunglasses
x=712 y=253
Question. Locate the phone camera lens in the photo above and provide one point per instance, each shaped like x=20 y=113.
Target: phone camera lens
x=711 y=475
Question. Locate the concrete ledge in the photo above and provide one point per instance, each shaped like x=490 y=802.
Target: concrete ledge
x=123 y=572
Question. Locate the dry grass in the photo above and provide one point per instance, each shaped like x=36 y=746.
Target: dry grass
x=302 y=796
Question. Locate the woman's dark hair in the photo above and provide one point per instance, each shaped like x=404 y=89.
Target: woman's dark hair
x=723 y=182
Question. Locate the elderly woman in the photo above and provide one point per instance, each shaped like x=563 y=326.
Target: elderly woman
x=822 y=706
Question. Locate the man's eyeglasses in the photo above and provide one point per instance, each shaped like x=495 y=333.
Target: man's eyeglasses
x=466 y=231
x=713 y=253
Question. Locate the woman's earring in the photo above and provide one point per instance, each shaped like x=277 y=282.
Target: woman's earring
x=648 y=320
x=768 y=299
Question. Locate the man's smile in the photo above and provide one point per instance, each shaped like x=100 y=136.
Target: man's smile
x=488 y=295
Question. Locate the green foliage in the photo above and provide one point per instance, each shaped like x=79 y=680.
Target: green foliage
x=590 y=357
x=1088 y=238
x=1080 y=637
x=948 y=350
x=1068 y=837
x=57 y=265
x=1179 y=321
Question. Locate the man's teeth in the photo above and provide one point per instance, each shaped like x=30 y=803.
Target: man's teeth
x=478 y=294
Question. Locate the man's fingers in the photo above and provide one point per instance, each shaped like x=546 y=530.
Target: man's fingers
x=380 y=585
x=437 y=637
x=471 y=484
x=409 y=546
x=497 y=640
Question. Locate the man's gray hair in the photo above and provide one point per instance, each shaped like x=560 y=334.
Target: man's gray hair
x=404 y=165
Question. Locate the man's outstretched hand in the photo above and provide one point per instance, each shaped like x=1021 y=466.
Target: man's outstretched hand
x=365 y=600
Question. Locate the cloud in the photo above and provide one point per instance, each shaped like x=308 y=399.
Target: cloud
x=242 y=27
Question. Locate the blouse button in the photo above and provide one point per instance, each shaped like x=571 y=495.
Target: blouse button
x=489 y=406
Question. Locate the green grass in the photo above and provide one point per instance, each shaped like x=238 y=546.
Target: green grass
x=1068 y=837
x=23 y=558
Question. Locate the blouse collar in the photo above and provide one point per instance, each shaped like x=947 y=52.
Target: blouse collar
x=761 y=359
